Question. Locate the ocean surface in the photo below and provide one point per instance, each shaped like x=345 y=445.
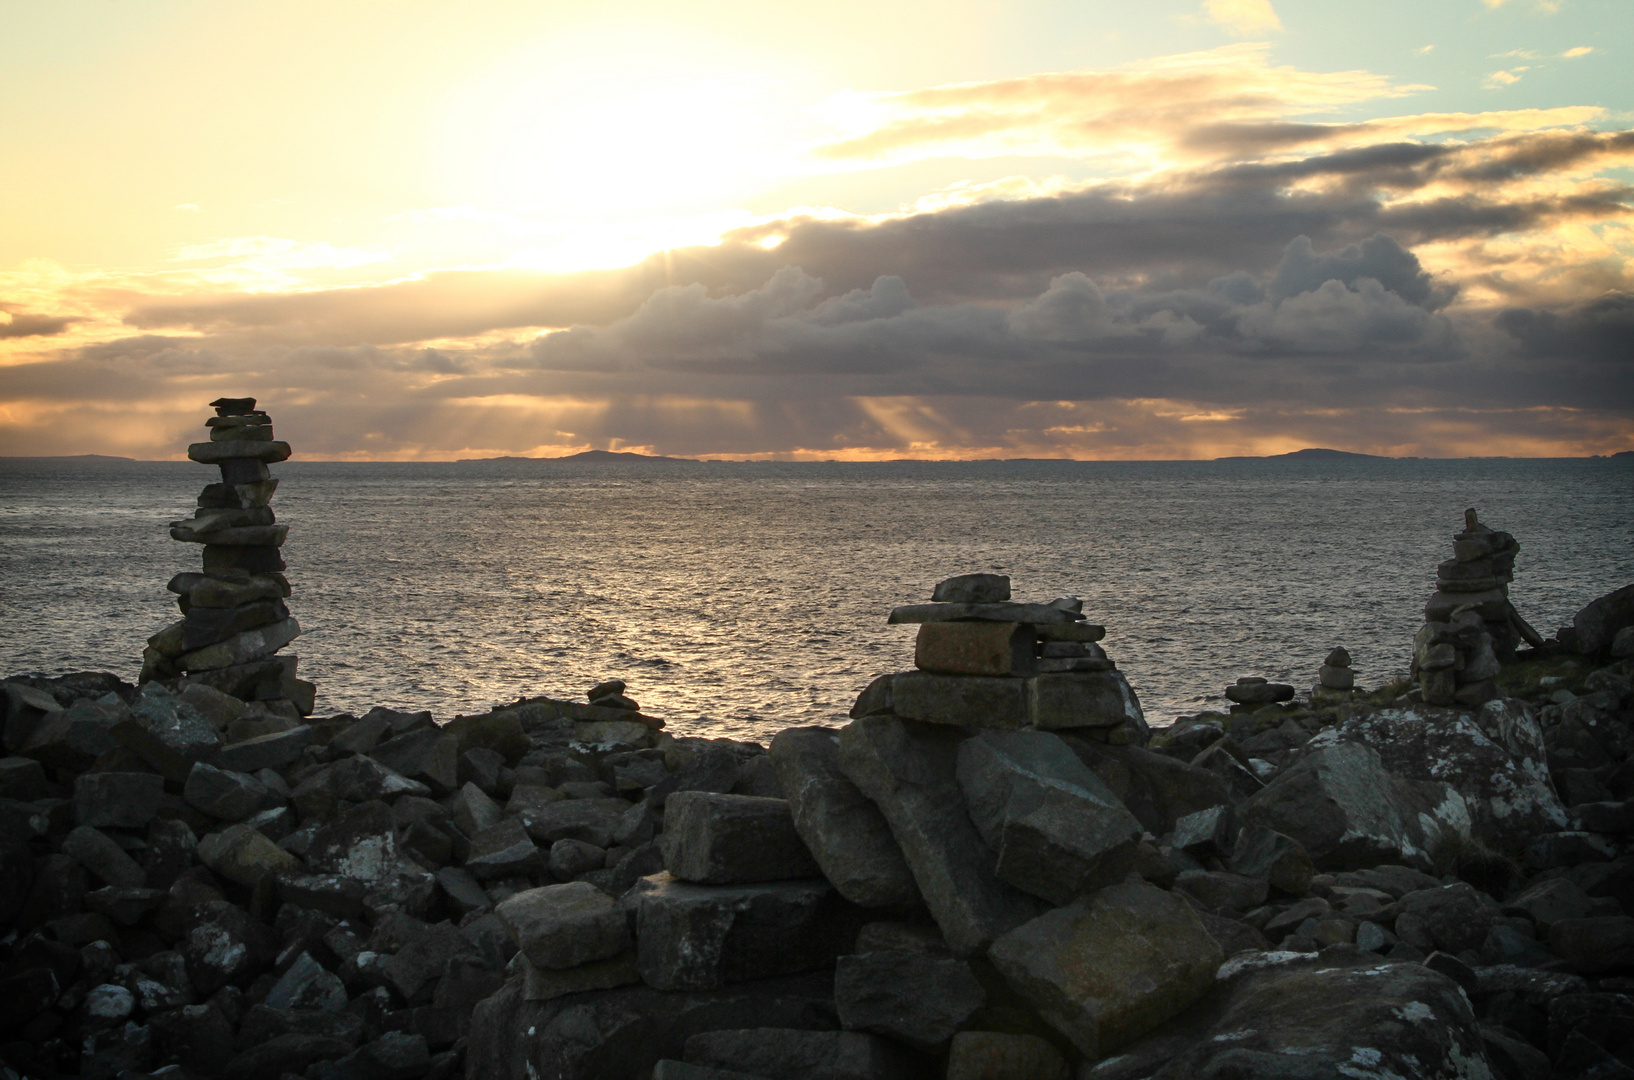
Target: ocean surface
x=739 y=599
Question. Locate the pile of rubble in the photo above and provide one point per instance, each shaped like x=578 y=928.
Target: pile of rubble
x=994 y=870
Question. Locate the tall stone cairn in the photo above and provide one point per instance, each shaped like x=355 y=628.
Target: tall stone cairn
x=1471 y=629
x=234 y=616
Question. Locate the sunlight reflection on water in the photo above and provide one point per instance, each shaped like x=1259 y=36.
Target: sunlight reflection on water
x=741 y=599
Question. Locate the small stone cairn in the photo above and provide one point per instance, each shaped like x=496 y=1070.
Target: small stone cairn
x=235 y=619
x=1471 y=629
x=1336 y=679
x=985 y=662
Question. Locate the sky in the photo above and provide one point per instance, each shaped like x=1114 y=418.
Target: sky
x=968 y=229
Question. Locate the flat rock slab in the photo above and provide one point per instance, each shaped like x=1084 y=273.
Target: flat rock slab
x=792 y=1054
x=910 y=771
x=912 y=998
x=563 y=926
x=700 y=937
x=1111 y=967
x=1056 y=827
x=1350 y=813
x=714 y=839
x=543 y=984
x=842 y=828
x=1038 y=614
x=621 y=1034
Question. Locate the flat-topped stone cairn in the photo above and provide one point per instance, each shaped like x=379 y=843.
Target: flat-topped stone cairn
x=1470 y=628
x=1335 y=679
x=234 y=617
x=986 y=661
x=613 y=718
x=1253 y=691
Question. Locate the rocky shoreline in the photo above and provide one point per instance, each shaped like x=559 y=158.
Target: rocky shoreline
x=996 y=870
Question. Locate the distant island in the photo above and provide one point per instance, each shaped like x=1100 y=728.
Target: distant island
x=586 y=455
x=1312 y=454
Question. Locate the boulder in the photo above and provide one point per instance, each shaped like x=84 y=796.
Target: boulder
x=594 y=821
x=103 y=857
x=352 y=780
x=227 y=795
x=791 y=1054
x=1453 y=917
x=543 y=984
x=359 y=843
x=283 y=1054
x=1206 y=834
x=621 y=1034
x=223 y=945
x=910 y=771
x=972 y=589
x=563 y=926
x=1057 y=829
x=1157 y=789
x=1593 y=945
x=1107 y=969
x=1600 y=620
x=306 y=985
x=699 y=937
x=714 y=839
x=1510 y=799
x=275 y=750
x=71 y=739
x=25 y=710
x=1277 y=859
x=396 y=1055
x=915 y=999
x=1347 y=811
x=844 y=831
x=1295 y=1016
x=993 y=1055
x=429 y=755
x=244 y=855
x=504 y=850
x=124 y=800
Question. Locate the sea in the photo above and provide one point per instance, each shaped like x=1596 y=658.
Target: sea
x=737 y=599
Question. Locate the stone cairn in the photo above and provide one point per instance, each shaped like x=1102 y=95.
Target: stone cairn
x=1470 y=628
x=1335 y=679
x=986 y=662
x=234 y=616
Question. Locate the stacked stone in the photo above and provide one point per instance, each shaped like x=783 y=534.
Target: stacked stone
x=1335 y=679
x=1253 y=692
x=1471 y=629
x=612 y=719
x=234 y=616
x=985 y=662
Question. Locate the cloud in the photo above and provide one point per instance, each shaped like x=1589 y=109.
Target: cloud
x=1600 y=330
x=1546 y=7
x=1243 y=17
x=1500 y=79
x=20 y=324
x=1422 y=283
x=1573 y=54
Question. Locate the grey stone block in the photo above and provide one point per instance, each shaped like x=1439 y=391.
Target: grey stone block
x=715 y=839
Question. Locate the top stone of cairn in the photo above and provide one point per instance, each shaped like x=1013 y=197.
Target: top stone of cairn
x=973 y=589
x=233 y=406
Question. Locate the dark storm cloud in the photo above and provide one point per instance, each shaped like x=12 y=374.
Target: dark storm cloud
x=1600 y=330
